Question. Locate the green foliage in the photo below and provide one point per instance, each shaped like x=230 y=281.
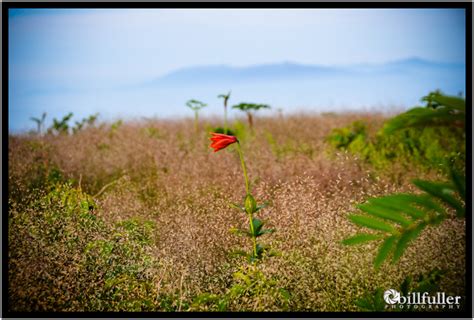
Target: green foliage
x=248 y=107
x=446 y=111
x=70 y=259
x=70 y=199
x=341 y=138
x=425 y=136
x=240 y=130
x=61 y=126
x=43 y=176
x=402 y=217
x=250 y=207
x=195 y=105
x=89 y=121
x=225 y=97
x=445 y=192
x=372 y=301
x=430 y=101
x=426 y=147
x=251 y=289
x=223 y=131
x=114 y=127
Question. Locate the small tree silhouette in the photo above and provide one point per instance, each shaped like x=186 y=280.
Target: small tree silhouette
x=39 y=122
x=248 y=108
x=90 y=121
x=61 y=126
x=195 y=105
x=226 y=98
x=430 y=99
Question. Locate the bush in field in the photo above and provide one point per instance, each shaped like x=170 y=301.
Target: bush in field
x=252 y=290
x=342 y=138
x=63 y=257
x=405 y=141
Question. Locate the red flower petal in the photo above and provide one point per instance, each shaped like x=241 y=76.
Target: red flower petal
x=221 y=141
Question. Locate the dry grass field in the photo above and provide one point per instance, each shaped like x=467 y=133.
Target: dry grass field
x=138 y=218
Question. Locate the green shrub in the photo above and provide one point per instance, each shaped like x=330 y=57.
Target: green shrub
x=63 y=257
x=251 y=291
x=425 y=147
x=342 y=138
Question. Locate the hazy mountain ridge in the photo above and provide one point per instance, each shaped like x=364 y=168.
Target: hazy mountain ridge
x=291 y=70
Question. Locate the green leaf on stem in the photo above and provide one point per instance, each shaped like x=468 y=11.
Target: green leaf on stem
x=257 y=225
x=250 y=204
x=400 y=202
x=371 y=223
x=384 y=251
x=261 y=206
x=442 y=191
x=405 y=238
x=236 y=206
x=384 y=213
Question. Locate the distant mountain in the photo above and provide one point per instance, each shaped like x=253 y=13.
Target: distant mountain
x=289 y=71
x=223 y=73
x=290 y=86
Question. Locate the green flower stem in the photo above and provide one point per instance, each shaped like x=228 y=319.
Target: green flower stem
x=247 y=190
x=254 y=239
x=243 y=168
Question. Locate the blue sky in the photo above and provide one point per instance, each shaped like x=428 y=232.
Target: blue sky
x=55 y=55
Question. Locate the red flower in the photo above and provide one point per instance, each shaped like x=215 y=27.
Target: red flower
x=221 y=141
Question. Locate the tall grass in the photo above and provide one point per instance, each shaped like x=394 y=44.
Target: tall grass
x=146 y=226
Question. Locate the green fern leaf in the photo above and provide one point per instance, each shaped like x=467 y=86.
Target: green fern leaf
x=400 y=202
x=384 y=213
x=442 y=191
x=384 y=251
x=405 y=238
x=371 y=223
